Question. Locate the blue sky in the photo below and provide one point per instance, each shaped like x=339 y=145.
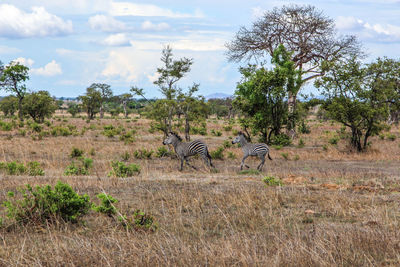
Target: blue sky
x=70 y=44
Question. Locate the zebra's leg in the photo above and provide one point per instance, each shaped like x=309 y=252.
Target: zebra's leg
x=181 y=164
x=209 y=159
x=262 y=157
x=243 y=159
x=187 y=162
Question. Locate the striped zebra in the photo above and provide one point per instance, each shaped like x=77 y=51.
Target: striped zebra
x=186 y=150
x=250 y=149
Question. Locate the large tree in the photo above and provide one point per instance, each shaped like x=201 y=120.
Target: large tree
x=304 y=31
x=356 y=99
x=39 y=105
x=91 y=102
x=12 y=80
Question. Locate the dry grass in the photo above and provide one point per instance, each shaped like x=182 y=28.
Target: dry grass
x=335 y=208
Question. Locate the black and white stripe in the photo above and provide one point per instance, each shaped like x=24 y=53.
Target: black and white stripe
x=250 y=149
x=185 y=150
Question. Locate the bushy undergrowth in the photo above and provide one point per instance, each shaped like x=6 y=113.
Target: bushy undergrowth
x=120 y=169
x=272 y=181
x=143 y=153
x=218 y=153
x=162 y=151
x=79 y=167
x=281 y=140
x=107 y=204
x=15 y=168
x=43 y=204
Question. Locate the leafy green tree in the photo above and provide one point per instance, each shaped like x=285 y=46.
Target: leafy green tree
x=355 y=99
x=193 y=108
x=12 y=80
x=169 y=75
x=73 y=109
x=105 y=92
x=91 y=102
x=39 y=105
x=9 y=105
x=262 y=95
x=125 y=98
x=304 y=31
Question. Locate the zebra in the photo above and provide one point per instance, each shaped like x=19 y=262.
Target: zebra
x=250 y=149
x=185 y=150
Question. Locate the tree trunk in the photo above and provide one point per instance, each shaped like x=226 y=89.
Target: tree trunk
x=20 y=113
x=187 y=129
x=292 y=111
x=101 y=112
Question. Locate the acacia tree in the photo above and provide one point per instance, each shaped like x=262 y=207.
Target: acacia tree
x=355 y=99
x=304 y=31
x=9 y=105
x=12 y=78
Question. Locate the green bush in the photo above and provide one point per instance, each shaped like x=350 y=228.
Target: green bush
x=127 y=137
x=42 y=204
x=80 y=167
x=76 y=152
x=6 y=126
x=272 y=181
x=139 y=220
x=143 y=153
x=391 y=137
x=60 y=131
x=13 y=168
x=285 y=155
x=162 y=151
x=281 y=140
x=107 y=205
x=120 y=169
x=228 y=128
x=333 y=140
x=218 y=153
x=231 y=155
x=304 y=128
x=34 y=169
x=301 y=143
x=216 y=132
x=227 y=144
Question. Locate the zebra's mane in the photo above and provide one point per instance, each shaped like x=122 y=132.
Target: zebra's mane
x=176 y=135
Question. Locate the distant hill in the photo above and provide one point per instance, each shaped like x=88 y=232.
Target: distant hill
x=217 y=95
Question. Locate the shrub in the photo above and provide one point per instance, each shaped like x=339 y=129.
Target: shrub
x=285 y=156
x=128 y=137
x=107 y=204
x=143 y=153
x=281 y=140
x=6 y=126
x=80 y=167
x=76 y=152
x=162 y=151
x=333 y=140
x=60 y=131
x=34 y=169
x=120 y=169
x=301 y=143
x=13 y=168
x=36 y=127
x=231 y=155
x=227 y=144
x=272 y=181
x=391 y=137
x=216 y=132
x=304 y=128
x=139 y=220
x=228 y=128
x=217 y=154
x=250 y=172
x=125 y=156
x=44 y=204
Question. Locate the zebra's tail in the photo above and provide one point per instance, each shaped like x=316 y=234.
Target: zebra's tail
x=269 y=156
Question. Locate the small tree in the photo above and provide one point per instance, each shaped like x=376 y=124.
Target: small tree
x=355 y=100
x=105 y=93
x=39 y=105
x=91 y=102
x=170 y=74
x=73 y=109
x=193 y=108
x=125 y=98
x=9 y=105
x=12 y=79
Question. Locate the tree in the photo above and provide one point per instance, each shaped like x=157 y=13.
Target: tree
x=193 y=108
x=125 y=98
x=91 y=102
x=12 y=79
x=9 y=105
x=355 y=99
x=304 y=31
x=39 y=105
x=73 y=109
x=169 y=75
x=105 y=93
x=261 y=97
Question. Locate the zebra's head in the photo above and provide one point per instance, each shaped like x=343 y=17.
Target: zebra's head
x=171 y=138
x=238 y=138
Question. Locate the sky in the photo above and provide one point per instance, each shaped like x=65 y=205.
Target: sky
x=69 y=44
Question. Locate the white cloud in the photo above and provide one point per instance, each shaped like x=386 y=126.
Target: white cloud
x=119 y=39
x=375 y=32
x=147 y=10
x=8 y=50
x=24 y=61
x=149 y=26
x=50 y=69
x=16 y=23
x=106 y=23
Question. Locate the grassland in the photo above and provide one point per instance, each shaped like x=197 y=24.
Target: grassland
x=335 y=208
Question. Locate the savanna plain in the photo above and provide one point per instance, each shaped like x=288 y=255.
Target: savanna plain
x=330 y=207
